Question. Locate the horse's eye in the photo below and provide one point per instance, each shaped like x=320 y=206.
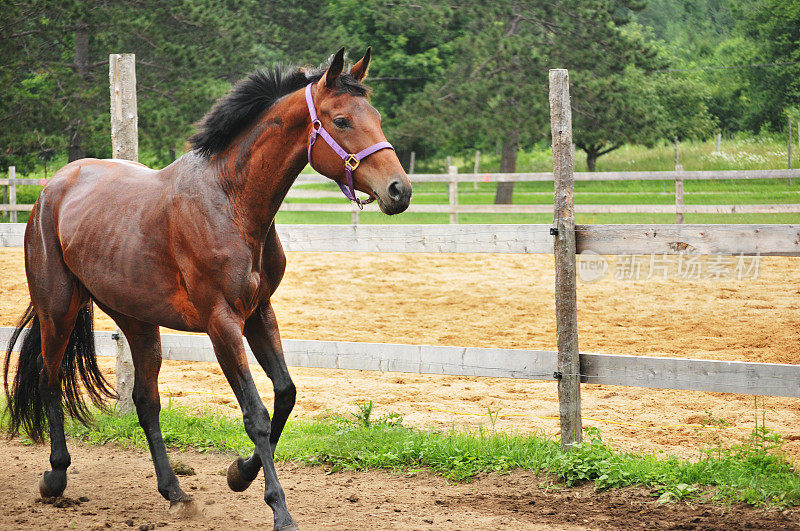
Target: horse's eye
x=341 y=123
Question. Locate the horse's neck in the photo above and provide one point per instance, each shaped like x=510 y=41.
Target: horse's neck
x=260 y=167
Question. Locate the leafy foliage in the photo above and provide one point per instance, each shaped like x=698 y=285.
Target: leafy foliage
x=450 y=77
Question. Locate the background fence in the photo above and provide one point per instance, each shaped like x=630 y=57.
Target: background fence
x=453 y=208
x=566 y=366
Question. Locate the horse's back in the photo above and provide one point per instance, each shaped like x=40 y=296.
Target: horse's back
x=107 y=221
x=93 y=197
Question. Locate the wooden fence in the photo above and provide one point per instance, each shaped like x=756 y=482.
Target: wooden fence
x=690 y=239
x=567 y=366
x=678 y=209
x=768 y=379
x=453 y=208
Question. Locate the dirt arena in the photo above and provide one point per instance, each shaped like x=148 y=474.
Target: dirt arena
x=507 y=301
x=466 y=300
x=115 y=489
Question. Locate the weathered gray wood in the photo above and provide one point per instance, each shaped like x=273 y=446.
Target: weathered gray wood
x=569 y=389
x=452 y=193
x=7 y=207
x=12 y=194
x=678 y=191
x=418 y=238
x=17 y=180
x=476 y=168
x=547 y=209
x=124 y=115
x=764 y=379
x=612 y=176
x=719 y=142
x=124 y=145
x=766 y=240
x=12 y=234
x=789 y=146
x=411 y=165
x=688 y=175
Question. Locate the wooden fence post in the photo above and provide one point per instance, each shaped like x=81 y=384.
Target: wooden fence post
x=354 y=217
x=718 y=143
x=569 y=389
x=477 y=166
x=678 y=196
x=453 y=193
x=789 y=147
x=411 y=164
x=12 y=193
x=124 y=145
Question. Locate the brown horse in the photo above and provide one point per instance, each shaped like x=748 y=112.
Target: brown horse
x=191 y=247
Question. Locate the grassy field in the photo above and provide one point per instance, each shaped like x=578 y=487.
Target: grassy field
x=745 y=153
x=755 y=472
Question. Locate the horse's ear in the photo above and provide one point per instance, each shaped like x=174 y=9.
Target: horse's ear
x=359 y=70
x=335 y=68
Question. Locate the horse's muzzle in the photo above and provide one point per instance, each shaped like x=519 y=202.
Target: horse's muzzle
x=396 y=198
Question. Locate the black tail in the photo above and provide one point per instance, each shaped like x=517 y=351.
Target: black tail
x=24 y=401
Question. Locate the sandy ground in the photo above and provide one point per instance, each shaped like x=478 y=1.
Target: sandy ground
x=507 y=301
x=115 y=488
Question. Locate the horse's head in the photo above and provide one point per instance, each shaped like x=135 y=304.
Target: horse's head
x=344 y=112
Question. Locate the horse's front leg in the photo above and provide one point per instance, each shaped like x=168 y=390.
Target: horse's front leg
x=145 y=342
x=261 y=331
x=225 y=330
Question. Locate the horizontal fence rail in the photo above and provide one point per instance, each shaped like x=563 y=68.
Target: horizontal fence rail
x=454 y=209
x=767 y=379
x=686 y=175
x=548 y=209
x=765 y=240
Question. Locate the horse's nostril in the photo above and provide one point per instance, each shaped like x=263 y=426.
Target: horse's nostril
x=395 y=190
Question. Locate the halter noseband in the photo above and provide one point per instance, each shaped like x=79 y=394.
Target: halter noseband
x=351 y=160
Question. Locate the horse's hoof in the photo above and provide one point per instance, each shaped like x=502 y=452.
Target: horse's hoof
x=183 y=509
x=290 y=527
x=51 y=486
x=235 y=480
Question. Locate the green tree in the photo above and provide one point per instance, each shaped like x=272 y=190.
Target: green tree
x=774 y=28
x=54 y=59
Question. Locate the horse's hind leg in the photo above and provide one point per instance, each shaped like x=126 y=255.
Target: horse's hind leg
x=225 y=331
x=261 y=331
x=55 y=337
x=57 y=313
x=145 y=342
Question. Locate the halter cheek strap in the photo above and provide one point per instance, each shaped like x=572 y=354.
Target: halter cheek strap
x=351 y=160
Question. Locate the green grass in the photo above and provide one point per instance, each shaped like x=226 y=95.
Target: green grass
x=755 y=471
x=764 y=152
x=740 y=153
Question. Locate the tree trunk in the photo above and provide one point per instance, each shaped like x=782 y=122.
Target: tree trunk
x=82 y=49
x=591 y=159
x=508 y=164
x=76 y=150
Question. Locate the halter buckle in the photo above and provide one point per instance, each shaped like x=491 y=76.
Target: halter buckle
x=316 y=125
x=352 y=162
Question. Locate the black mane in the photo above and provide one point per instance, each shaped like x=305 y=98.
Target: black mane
x=238 y=109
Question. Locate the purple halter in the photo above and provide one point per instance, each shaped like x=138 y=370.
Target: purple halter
x=351 y=160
